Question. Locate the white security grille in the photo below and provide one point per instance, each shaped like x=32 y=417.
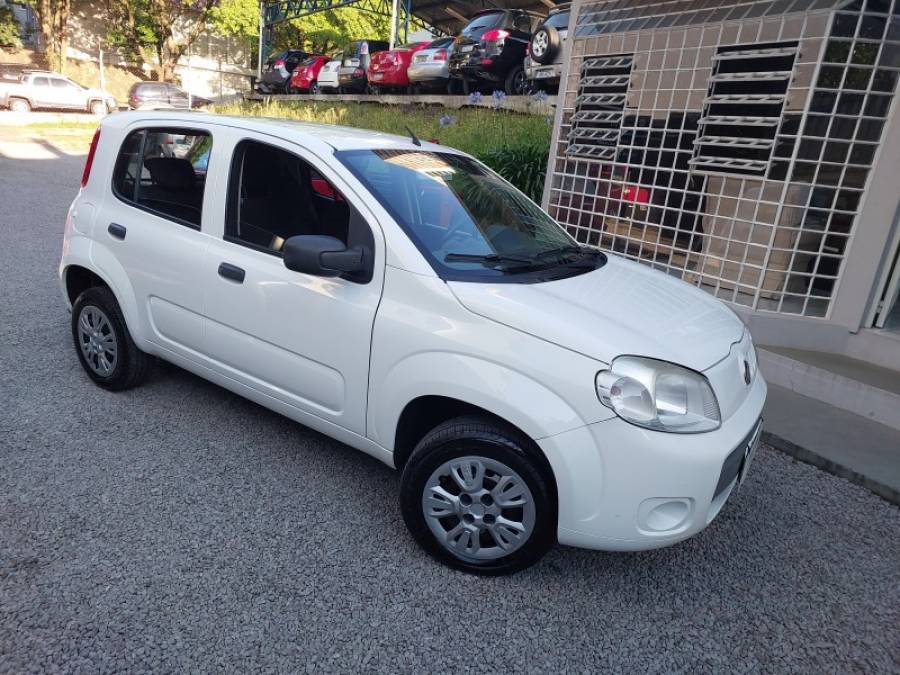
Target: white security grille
x=601 y=99
x=743 y=145
x=737 y=155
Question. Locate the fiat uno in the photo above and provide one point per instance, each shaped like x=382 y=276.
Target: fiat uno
x=403 y=299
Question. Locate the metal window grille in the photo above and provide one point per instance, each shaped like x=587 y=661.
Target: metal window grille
x=749 y=194
x=753 y=82
x=601 y=99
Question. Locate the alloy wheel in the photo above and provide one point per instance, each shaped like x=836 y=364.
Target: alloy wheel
x=478 y=508
x=539 y=44
x=97 y=340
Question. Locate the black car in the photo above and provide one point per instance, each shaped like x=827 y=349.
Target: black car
x=491 y=48
x=278 y=70
x=352 y=76
x=149 y=95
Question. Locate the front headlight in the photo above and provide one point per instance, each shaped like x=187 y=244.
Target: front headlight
x=658 y=395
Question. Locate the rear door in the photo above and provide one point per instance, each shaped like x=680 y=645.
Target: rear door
x=301 y=339
x=41 y=92
x=153 y=224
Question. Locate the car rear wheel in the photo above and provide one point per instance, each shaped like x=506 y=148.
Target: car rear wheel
x=19 y=105
x=103 y=344
x=516 y=83
x=314 y=88
x=477 y=497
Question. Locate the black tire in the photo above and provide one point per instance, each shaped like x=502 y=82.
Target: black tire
x=372 y=90
x=313 y=88
x=453 y=86
x=131 y=366
x=486 y=439
x=548 y=38
x=515 y=83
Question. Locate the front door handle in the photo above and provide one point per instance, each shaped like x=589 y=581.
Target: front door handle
x=116 y=230
x=232 y=272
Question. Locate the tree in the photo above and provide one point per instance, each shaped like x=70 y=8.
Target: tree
x=159 y=32
x=53 y=19
x=322 y=32
x=9 y=28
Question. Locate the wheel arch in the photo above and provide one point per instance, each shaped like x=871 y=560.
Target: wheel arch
x=424 y=413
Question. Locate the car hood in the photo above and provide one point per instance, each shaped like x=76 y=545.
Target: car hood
x=620 y=308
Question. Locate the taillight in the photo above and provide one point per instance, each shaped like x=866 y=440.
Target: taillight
x=90 y=158
x=359 y=72
x=440 y=55
x=279 y=63
x=638 y=195
x=495 y=35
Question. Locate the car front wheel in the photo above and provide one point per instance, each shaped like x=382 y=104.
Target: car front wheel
x=19 y=105
x=103 y=344
x=98 y=108
x=476 y=496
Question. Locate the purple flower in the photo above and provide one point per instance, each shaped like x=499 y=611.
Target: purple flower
x=539 y=96
x=475 y=97
x=447 y=120
x=499 y=97
x=549 y=120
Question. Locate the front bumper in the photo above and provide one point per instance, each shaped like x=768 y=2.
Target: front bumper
x=625 y=488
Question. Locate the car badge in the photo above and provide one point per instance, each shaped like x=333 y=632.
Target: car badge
x=747 y=375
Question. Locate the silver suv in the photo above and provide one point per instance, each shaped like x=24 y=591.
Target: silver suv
x=544 y=60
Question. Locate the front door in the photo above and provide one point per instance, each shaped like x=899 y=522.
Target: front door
x=301 y=339
x=151 y=223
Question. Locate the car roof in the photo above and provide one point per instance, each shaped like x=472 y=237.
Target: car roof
x=308 y=134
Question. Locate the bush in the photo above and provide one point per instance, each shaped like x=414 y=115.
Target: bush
x=522 y=165
x=9 y=28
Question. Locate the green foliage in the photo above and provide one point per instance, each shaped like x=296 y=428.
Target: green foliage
x=323 y=32
x=524 y=165
x=515 y=145
x=9 y=28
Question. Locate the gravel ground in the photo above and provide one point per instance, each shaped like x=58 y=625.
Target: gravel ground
x=178 y=527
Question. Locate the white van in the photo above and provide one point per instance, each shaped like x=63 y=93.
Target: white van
x=403 y=299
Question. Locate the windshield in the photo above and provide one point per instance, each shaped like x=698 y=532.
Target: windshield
x=560 y=20
x=468 y=222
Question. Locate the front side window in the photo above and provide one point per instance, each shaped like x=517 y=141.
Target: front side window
x=468 y=222
x=274 y=194
x=164 y=171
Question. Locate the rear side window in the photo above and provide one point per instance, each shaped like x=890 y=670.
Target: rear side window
x=163 y=171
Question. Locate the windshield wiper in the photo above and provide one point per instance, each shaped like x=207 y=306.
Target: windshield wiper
x=493 y=260
x=562 y=250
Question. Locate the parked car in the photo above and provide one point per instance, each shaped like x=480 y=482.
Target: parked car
x=162 y=95
x=41 y=89
x=15 y=71
x=278 y=71
x=411 y=303
x=430 y=67
x=544 y=58
x=490 y=50
x=352 y=75
x=387 y=70
x=305 y=78
x=328 y=76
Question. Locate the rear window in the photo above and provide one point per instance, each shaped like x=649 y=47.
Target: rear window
x=559 y=21
x=488 y=20
x=440 y=43
x=163 y=171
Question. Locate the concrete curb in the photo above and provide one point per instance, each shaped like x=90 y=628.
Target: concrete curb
x=808 y=456
x=520 y=104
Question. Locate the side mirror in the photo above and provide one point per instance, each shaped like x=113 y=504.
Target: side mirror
x=326 y=256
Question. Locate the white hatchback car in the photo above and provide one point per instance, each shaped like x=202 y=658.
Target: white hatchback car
x=403 y=299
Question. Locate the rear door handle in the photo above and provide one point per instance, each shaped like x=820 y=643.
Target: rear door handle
x=116 y=230
x=232 y=272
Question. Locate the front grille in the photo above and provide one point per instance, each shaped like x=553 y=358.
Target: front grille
x=732 y=464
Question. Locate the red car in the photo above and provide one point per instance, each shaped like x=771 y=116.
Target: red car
x=304 y=78
x=387 y=70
